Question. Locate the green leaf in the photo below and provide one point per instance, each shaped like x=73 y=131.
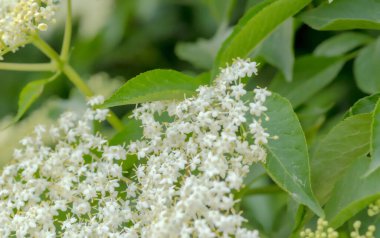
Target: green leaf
x=311 y=74
x=221 y=10
x=264 y=210
x=344 y=15
x=375 y=140
x=363 y=105
x=202 y=52
x=366 y=68
x=347 y=141
x=341 y=44
x=352 y=193
x=155 y=85
x=132 y=131
x=29 y=94
x=314 y=112
x=288 y=159
x=277 y=49
x=257 y=24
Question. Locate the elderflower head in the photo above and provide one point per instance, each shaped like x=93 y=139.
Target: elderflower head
x=19 y=19
x=189 y=166
x=196 y=160
x=68 y=185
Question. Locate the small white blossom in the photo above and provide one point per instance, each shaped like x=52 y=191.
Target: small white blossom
x=95 y=101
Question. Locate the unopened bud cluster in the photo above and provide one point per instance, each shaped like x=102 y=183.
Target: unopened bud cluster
x=19 y=19
x=368 y=234
x=73 y=184
x=374 y=208
x=323 y=230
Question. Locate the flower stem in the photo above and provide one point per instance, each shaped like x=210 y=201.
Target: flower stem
x=74 y=77
x=47 y=50
x=27 y=67
x=68 y=33
x=83 y=87
x=77 y=81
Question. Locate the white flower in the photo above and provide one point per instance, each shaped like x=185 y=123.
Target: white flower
x=67 y=174
x=19 y=19
x=195 y=161
x=183 y=186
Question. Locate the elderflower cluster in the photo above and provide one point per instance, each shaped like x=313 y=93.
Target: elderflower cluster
x=324 y=231
x=21 y=18
x=67 y=181
x=374 y=208
x=195 y=161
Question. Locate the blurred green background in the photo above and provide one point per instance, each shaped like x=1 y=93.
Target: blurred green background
x=125 y=38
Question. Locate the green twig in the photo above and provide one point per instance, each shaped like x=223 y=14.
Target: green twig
x=73 y=76
x=47 y=50
x=27 y=67
x=82 y=86
x=77 y=80
x=68 y=33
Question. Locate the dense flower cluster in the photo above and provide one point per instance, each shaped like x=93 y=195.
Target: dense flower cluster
x=67 y=173
x=196 y=161
x=72 y=184
x=323 y=230
x=20 y=18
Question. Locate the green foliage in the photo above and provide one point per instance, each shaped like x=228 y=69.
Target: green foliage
x=367 y=70
x=155 y=85
x=277 y=49
x=251 y=29
x=202 y=52
x=341 y=44
x=221 y=10
x=375 y=140
x=353 y=192
x=345 y=143
x=314 y=113
x=364 y=105
x=288 y=159
x=311 y=74
x=29 y=94
x=344 y=15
